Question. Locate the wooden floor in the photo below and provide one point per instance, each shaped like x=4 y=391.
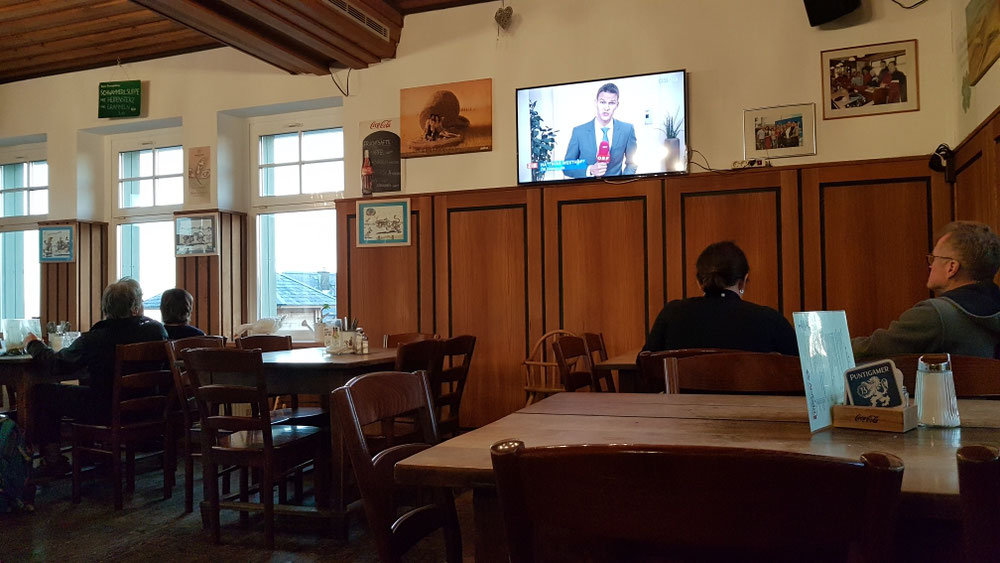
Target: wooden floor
x=152 y=529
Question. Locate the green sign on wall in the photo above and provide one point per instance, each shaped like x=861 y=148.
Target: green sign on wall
x=119 y=99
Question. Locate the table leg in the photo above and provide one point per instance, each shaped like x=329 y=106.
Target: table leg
x=628 y=381
x=491 y=541
x=340 y=468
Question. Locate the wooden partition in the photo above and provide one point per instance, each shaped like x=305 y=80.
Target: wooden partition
x=218 y=281
x=71 y=291
x=977 y=166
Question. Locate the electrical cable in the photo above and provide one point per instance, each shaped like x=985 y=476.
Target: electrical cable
x=347 y=82
x=911 y=6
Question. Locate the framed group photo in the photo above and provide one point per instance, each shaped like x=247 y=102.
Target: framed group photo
x=779 y=131
x=870 y=79
x=196 y=235
x=384 y=222
x=55 y=244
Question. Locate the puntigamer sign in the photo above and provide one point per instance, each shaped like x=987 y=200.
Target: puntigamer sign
x=119 y=99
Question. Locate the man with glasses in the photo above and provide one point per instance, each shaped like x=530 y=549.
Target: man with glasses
x=964 y=317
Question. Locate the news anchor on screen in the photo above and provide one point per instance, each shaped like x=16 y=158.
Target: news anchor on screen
x=606 y=144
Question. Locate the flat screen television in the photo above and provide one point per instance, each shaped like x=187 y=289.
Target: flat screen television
x=615 y=128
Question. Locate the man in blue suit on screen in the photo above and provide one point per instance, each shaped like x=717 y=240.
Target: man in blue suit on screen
x=606 y=144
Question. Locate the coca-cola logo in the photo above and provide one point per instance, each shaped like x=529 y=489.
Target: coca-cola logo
x=384 y=124
x=872 y=418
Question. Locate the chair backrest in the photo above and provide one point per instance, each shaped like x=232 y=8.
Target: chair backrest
x=420 y=355
x=393 y=340
x=595 y=346
x=143 y=386
x=573 y=360
x=222 y=377
x=185 y=395
x=738 y=372
x=541 y=372
x=448 y=385
x=653 y=367
x=374 y=398
x=974 y=377
x=979 y=489
x=627 y=502
x=265 y=342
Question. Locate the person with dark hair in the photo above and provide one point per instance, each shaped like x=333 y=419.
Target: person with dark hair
x=721 y=318
x=964 y=317
x=176 y=305
x=93 y=355
x=606 y=144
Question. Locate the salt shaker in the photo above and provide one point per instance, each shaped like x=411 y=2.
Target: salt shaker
x=936 y=401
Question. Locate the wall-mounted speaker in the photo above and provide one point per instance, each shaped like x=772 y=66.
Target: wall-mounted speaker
x=822 y=11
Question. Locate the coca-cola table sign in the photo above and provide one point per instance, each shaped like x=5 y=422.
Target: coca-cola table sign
x=380 y=158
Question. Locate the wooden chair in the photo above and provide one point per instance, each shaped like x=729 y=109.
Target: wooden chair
x=187 y=416
x=426 y=355
x=975 y=378
x=293 y=414
x=142 y=398
x=653 y=367
x=448 y=385
x=275 y=451
x=541 y=372
x=745 y=373
x=573 y=360
x=638 y=503
x=394 y=340
x=979 y=489
x=598 y=353
x=377 y=398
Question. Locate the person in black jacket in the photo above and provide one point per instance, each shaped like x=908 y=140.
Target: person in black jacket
x=176 y=305
x=721 y=318
x=93 y=355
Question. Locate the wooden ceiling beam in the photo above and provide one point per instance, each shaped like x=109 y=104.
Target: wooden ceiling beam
x=13 y=11
x=89 y=27
x=390 y=15
x=407 y=7
x=104 y=38
x=289 y=24
x=343 y=26
x=192 y=14
x=58 y=18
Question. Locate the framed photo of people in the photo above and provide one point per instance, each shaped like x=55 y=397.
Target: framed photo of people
x=55 y=244
x=196 y=235
x=779 y=131
x=870 y=79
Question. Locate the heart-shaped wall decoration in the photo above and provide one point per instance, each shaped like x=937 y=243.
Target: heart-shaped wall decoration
x=504 y=16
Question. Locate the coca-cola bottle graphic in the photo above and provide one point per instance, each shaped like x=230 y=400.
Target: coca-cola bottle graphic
x=367 y=172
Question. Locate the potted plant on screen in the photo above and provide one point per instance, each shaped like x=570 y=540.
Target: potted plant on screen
x=673 y=128
x=543 y=140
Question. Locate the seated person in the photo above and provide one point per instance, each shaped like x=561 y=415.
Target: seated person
x=94 y=353
x=964 y=318
x=175 y=306
x=720 y=318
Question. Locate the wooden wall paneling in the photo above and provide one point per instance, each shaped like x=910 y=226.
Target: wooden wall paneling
x=972 y=167
x=757 y=210
x=85 y=265
x=604 y=259
x=218 y=281
x=388 y=289
x=489 y=284
x=227 y=301
x=71 y=291
x=866 y=229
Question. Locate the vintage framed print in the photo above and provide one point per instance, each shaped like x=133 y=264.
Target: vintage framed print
x=196 y=235
x=870 y=79
x=779 y=131
x=55 y=244
x=384 y=222
x=982 y=36
x=446 y=118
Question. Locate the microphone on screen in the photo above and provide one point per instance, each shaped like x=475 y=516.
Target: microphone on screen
x=604 y=152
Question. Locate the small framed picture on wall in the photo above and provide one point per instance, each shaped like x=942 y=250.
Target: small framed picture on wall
x=196 y=235
x=779 y=131
x=870 y=79
x=55 y=244
x=384 y=222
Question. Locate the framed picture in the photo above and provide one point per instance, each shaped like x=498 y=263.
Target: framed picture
x=195 y=235
x=982 y=36
x=779 y=131
x=446 y=118
x=870 y=79
x=55 y=244
x=384 y=222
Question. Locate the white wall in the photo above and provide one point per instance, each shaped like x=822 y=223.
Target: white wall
x=738 y=54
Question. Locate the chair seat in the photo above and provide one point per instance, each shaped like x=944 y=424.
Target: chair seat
x=254 y=440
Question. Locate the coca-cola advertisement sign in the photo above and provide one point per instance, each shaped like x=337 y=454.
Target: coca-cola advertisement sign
x=380 y=162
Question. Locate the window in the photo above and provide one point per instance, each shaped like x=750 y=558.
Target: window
x=301 y=162
x=146 y=254
x=151 y=177
x=24 y=181
x=20 y=275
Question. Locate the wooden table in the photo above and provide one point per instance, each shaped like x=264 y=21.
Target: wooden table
x=930 y=478
x=17 y=372
x=628 y=370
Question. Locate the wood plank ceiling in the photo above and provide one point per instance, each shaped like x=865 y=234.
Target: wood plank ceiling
x=46 y=37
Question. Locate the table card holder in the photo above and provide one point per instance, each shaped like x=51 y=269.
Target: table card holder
x=825 y=353
x=341 y=341
x=877 y=400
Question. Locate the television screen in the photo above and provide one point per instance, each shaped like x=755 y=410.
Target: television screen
x=613 y=129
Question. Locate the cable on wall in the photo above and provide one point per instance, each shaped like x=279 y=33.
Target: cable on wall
x=347 y=82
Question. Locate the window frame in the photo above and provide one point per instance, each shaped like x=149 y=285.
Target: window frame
x=143 y=140
x=26 y=153
x=22 y=227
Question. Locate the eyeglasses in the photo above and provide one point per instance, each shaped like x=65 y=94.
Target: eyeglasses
x=931 y=257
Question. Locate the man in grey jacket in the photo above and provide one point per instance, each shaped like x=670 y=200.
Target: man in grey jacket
x=964 y=318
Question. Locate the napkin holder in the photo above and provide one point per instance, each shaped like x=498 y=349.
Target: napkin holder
x=884 y=419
